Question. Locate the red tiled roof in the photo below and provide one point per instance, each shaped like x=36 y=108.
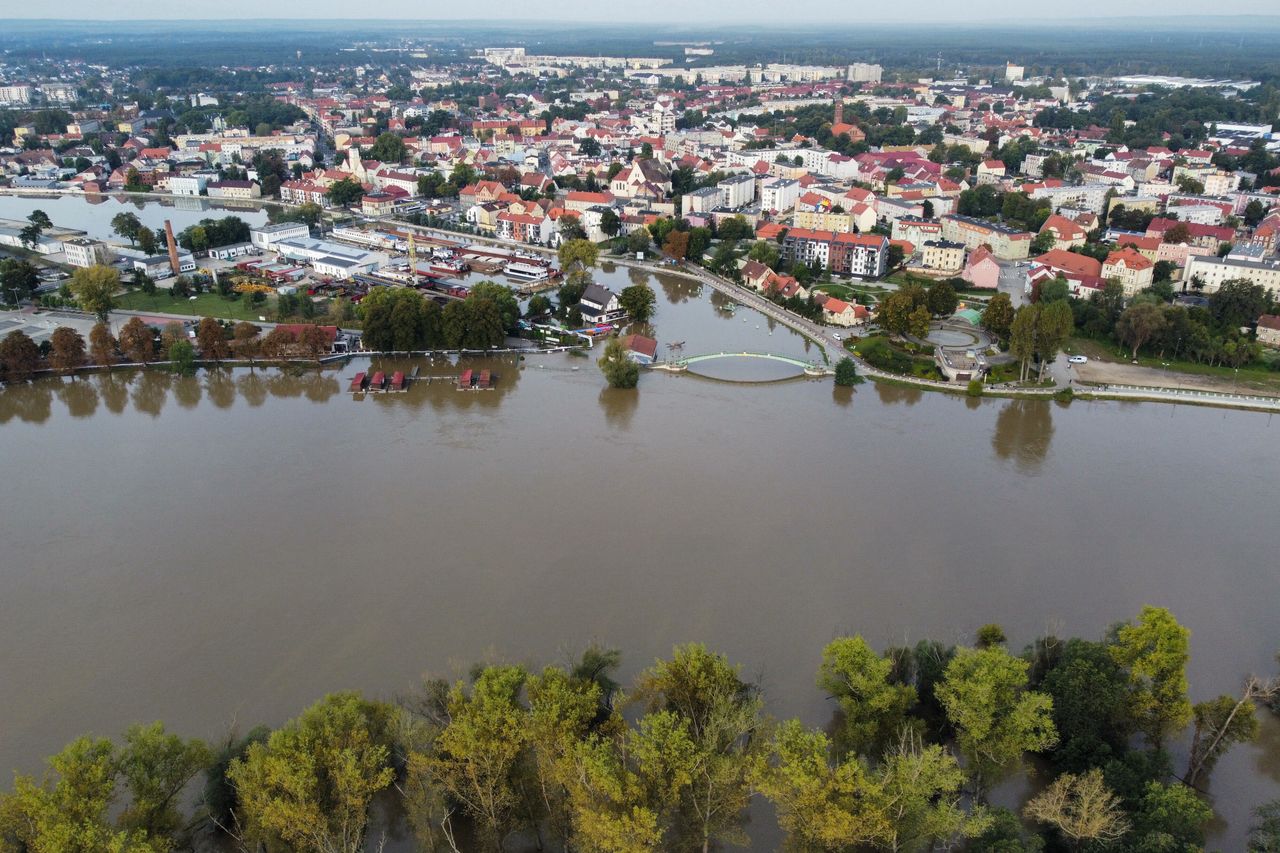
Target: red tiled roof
x=1061 y=259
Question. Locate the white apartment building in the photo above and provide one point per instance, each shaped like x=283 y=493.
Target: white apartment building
x=1213 y=271
x=58 y=93
x=862 y=72
x=778 y=194
x=664 y=117
x=737 y=191
x=1090 y=197
x=15 y=94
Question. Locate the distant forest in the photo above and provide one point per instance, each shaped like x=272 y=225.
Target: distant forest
x=1233 y=47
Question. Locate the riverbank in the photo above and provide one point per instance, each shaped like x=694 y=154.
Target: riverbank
x=828 y=339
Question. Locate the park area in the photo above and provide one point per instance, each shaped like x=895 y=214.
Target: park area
x=201 y=305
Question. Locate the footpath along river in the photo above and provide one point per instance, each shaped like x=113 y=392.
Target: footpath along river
x=229 y=547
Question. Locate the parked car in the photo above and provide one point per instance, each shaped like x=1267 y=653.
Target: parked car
x=1078 y=359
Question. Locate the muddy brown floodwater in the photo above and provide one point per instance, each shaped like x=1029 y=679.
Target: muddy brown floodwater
x=227 y=548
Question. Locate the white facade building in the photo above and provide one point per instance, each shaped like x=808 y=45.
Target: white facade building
x=778 y=194
x=267 y=236
x=188 y=184
x=862 y=72
x=737 y=191
x=82 y=252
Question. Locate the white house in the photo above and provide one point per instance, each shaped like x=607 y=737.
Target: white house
x=600 y=305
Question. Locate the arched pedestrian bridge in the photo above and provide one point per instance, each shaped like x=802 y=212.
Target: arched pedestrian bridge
x=681 y=364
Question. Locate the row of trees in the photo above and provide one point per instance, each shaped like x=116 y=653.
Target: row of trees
x=66 y=350
x=1208 y=335
x=211 y=233
x=397 y=319
x=563 y=755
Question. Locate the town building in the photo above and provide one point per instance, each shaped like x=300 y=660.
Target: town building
x=266 y=236
x=188 y=184
x=233 y=189
x=862 y=255
x=1210 y=271
x=640 y=348
x=981 y=270
x=599 y=304
x=83 y=252
x=1269 y=330
x=778 y=195
x=864 y=72
x=1133 y=270
x=1006 y=243
x=737 y=191
x=942 y=255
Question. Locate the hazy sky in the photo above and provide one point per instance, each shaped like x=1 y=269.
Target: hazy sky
x=800 y=12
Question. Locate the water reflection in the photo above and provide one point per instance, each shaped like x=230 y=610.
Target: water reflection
x=79 y=396
x=31 y=402
x=187 y=391
x=148 y=391
x=898 y=394
x=1024 y=429
x=842 y=395
x=619 y=404
x=677 y=288
x=220 y=385
x=151 y=391
x=252 y=387
x=1266 y=748
x=114 y=388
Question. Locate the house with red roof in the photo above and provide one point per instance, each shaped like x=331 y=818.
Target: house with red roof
x=837 y=312
x=640 y=348
x=1066 y=232
x=1133 y=269
x=1063 y=261
x=981 y=269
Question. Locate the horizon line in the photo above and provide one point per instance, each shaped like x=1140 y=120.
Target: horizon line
x=612 y=22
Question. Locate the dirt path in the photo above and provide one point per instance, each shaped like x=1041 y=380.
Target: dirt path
x=1123 y=373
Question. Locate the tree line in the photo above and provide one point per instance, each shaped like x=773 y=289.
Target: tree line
x=399 y=319
x=563 y=757
x=66 y=350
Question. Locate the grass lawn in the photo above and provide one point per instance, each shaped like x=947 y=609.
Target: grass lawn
x=851 y=293
x=204 y=305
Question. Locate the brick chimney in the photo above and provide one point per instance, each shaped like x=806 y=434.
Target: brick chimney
x=173 y=248
x=839 y=116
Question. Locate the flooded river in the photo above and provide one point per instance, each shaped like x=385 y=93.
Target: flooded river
x=227 y=548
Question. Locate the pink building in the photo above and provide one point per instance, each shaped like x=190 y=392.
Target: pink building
x=982 y=270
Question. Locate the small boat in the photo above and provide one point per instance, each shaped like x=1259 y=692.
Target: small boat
x=482 y=382
x=464 y=381
x=357 y=384
x=397 y=381
x=379 y=381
